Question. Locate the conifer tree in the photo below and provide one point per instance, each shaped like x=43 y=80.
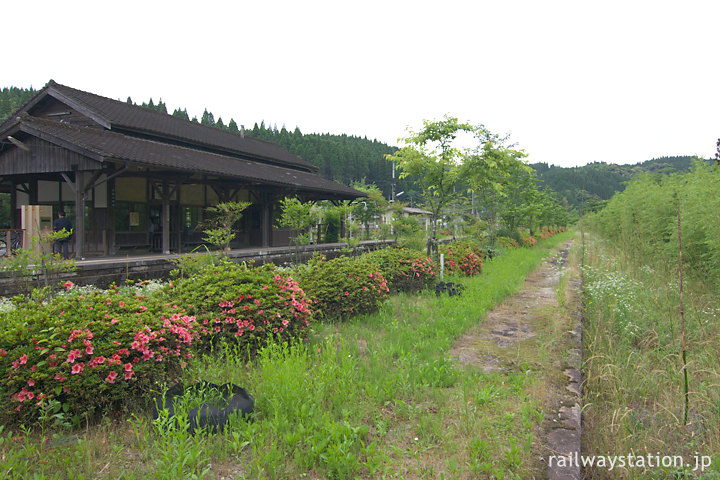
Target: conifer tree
x=181 y=113
x=207 y=118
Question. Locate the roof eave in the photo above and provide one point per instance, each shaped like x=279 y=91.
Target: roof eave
x=81 y=108
x=60 y=142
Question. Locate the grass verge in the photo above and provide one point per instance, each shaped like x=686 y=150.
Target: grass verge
x=633 y=391
x=377 y=396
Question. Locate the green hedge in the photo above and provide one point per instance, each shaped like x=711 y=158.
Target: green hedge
x=90 y=349
x=243 y=306
x=463 y=257
x=404 y=269
x=342 y=287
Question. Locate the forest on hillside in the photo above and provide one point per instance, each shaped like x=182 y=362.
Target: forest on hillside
x=12 y=98
x=588 y=188
x=348 y=159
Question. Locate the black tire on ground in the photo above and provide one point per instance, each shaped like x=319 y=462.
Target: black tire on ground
x=210 y=417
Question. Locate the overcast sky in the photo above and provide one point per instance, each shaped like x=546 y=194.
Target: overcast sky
x=572 y=81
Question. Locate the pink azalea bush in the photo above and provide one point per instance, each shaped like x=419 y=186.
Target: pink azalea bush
x=547 y=232
x=528 y=241
x=243 y=306
x=464 y=258
x=90 y=351
x=95 y=350
x=507 y=242
x=404 y=269
x=342 y=287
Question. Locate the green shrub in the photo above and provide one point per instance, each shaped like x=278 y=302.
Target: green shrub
x=506 y=242
x=343 y=287
x=464 y=257
x=331 y=219
x=547 y=232
x=242 y=306
x=404 y=269
x=90 y=349
x=528 y=241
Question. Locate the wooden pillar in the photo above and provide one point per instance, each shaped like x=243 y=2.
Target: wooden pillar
x=265 y=222
x=79 y=230
x=179 y=220
x=33 y=195
x=110 y=226
x=13 y=208
x=165 y=217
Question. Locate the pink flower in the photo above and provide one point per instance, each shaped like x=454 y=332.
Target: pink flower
x=129 y=375
x=77 y=368
x=128 y=367
x=111 y=377
x=59 y=377
x=347 y=293
x=89 y=349
x=23 y=359
x=31 y=383
x=68 y=285
x=122 y=304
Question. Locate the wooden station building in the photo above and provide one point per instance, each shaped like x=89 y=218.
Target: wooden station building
x=135 y=180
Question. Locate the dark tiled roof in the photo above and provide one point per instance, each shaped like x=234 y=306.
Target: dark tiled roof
x=124 y=116
x=106 y=145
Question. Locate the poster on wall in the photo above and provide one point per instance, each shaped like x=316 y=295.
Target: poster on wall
x=134 y=219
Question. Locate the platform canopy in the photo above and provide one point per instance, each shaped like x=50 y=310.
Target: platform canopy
x=94 y=145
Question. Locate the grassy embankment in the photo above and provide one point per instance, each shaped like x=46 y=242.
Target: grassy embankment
x=634 y=398
x=376 y=396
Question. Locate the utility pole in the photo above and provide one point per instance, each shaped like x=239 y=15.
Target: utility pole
x=392 y=195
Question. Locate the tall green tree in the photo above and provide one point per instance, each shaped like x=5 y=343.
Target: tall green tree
x=181 y=113
x=207 y=118
x=220 y=226
x=299 y=217
x=433 y=159
x=369 y=208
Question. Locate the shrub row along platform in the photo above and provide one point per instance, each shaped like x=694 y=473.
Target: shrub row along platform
x=102 y=272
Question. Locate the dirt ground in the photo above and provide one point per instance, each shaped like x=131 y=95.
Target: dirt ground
x=540 y=327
